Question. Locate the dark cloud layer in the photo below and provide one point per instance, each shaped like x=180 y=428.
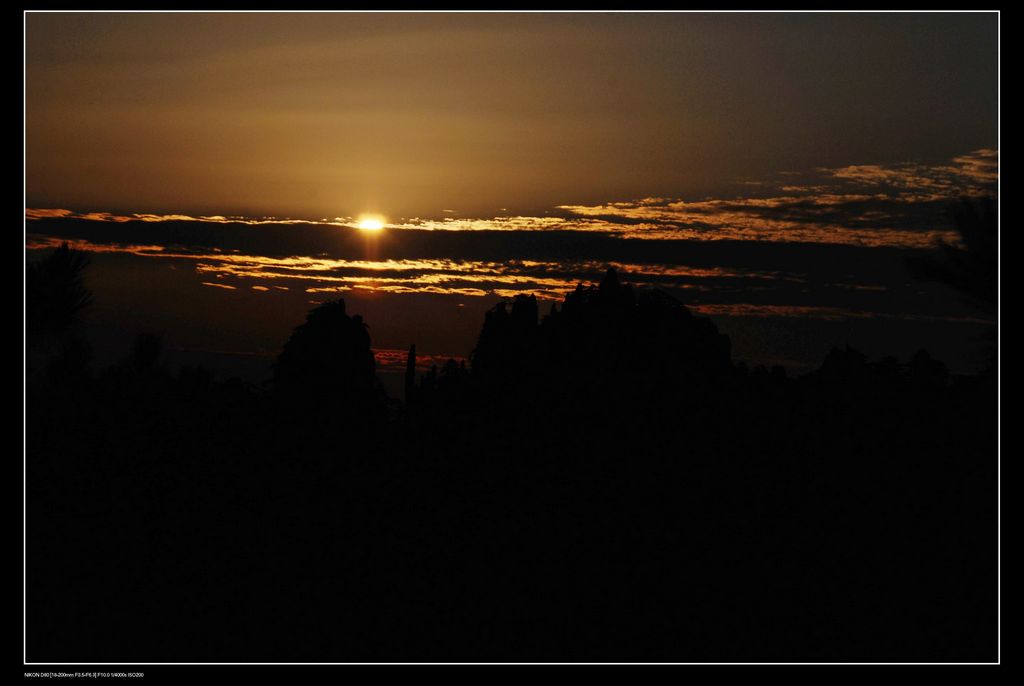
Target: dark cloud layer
x=829 y=246
x=325 y=261
x=898 y=206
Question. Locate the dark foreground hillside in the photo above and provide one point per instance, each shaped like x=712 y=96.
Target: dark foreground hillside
x=601 y=483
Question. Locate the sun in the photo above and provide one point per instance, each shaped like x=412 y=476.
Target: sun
x=370 y=222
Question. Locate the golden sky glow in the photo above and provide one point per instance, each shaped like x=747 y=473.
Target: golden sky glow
x=897 y=206
x=428 y=115
x=226 y=170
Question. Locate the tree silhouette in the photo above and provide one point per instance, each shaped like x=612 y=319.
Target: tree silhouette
x=606 y=485
x=55 y=295
x=971 y=266
x=55 y=292
x=327 y=360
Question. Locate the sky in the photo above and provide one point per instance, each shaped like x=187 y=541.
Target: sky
x=771 y=169
x=324 y=115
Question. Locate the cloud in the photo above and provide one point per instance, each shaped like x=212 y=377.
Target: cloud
x=46 y=214
x=898 y=206
x=836 y=241
x=781 y=219
x=719 y=278
x=870 y=205
x=548 y=279
x=981 y=166
x=391 y=360
x=969 y=174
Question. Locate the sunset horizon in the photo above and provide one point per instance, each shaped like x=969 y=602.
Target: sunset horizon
x=504 y=337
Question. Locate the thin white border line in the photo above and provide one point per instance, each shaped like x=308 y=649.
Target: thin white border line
x=24 y=343
x=525 y=664
x=509 y=11
x=998 y=353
